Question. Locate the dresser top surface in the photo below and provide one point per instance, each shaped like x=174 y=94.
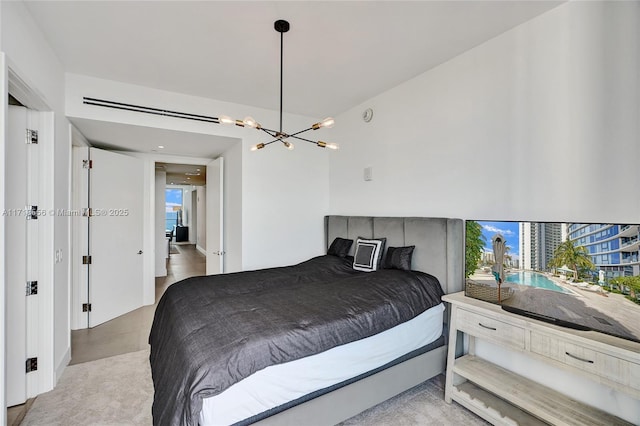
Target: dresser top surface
x=601 y=340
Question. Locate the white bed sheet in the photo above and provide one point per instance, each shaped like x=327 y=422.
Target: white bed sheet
x=278 y=384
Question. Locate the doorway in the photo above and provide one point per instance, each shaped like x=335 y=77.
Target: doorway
x=193 y=211
x=176 y=208
x=129 y=332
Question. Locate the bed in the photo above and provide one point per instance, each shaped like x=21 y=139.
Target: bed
x=313 y=343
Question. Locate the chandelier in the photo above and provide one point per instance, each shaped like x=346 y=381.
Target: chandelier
x=282 y=27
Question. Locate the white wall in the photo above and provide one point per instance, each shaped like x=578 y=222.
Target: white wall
x=489 y=134
x=32 y=60
x=232 y=209
x=201 y=242
x=161 y=251
x=518 y=128
x=284 y=194
x=285 y=198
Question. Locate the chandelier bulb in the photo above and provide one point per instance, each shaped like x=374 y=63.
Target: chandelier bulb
x=329 y=145
x=288 y=145
x=225 y=119
x=257 y=147
x=250 y=122
x=332 y=145
x=327 y=122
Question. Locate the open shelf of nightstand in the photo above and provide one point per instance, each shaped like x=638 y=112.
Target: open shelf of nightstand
x=495 y=409
x=551 y=406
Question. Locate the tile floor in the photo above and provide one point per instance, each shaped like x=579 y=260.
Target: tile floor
x=129 y=332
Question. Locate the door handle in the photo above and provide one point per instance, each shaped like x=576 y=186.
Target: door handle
x=139 y=251
x=219 y=253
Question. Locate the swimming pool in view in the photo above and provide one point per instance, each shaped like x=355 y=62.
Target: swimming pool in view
x=534 y=279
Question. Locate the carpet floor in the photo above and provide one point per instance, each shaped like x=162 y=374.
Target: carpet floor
x=119 y=391
x=111 y=391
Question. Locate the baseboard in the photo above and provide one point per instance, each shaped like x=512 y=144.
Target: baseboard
x=201 y=250
x=66 y=359
x=162 y=272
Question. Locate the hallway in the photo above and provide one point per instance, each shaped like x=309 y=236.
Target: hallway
x=129 y=332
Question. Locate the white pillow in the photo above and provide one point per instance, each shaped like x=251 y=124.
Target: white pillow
x=368 y=254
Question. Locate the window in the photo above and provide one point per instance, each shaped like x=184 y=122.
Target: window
x=173 y=207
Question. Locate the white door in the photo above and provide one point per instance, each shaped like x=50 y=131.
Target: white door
x=193 y=226
x=115 y=235
x=214 y=217
x=21 y=250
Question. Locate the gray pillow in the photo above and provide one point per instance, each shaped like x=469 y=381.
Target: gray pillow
x=340 y=247
x=398 y=258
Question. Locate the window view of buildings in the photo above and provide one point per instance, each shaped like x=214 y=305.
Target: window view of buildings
x=614 y=249
x=538 y=242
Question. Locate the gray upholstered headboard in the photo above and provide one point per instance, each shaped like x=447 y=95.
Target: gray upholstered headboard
x=439 y=242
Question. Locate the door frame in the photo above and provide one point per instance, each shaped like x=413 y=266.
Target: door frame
x=79 y=225
x=4 y=92
x=193 y=231
x=40 y=325
x=170 y=159
x=215 y=265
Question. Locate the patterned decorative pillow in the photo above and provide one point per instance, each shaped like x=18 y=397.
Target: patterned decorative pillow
x=398 y=258
x=340 y=247
x=368 y=254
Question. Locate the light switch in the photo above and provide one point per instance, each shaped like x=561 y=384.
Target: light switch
x=368 y=173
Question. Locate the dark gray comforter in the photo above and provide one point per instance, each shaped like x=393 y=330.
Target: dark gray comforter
x=211 y=332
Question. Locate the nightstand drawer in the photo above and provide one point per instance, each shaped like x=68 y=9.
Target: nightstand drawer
x=488 y=328
x=604 y=365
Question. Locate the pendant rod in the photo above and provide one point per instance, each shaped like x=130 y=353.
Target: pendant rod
x=282 y=27
x=281 y=71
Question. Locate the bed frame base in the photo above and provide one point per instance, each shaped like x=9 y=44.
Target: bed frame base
x=341 y=404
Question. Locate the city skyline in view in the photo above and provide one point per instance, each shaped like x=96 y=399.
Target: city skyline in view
x=509 y=230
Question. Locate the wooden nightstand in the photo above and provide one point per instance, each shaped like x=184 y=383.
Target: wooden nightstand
x=506 y=398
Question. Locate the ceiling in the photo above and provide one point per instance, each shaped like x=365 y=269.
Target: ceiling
x=184 y=174
x=336 y=55
x=126 y=137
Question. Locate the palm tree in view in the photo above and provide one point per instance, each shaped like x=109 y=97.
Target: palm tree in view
x=573 y=257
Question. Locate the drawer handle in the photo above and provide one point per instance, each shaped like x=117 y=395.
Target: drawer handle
x=487 y=327
x=578 y=358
